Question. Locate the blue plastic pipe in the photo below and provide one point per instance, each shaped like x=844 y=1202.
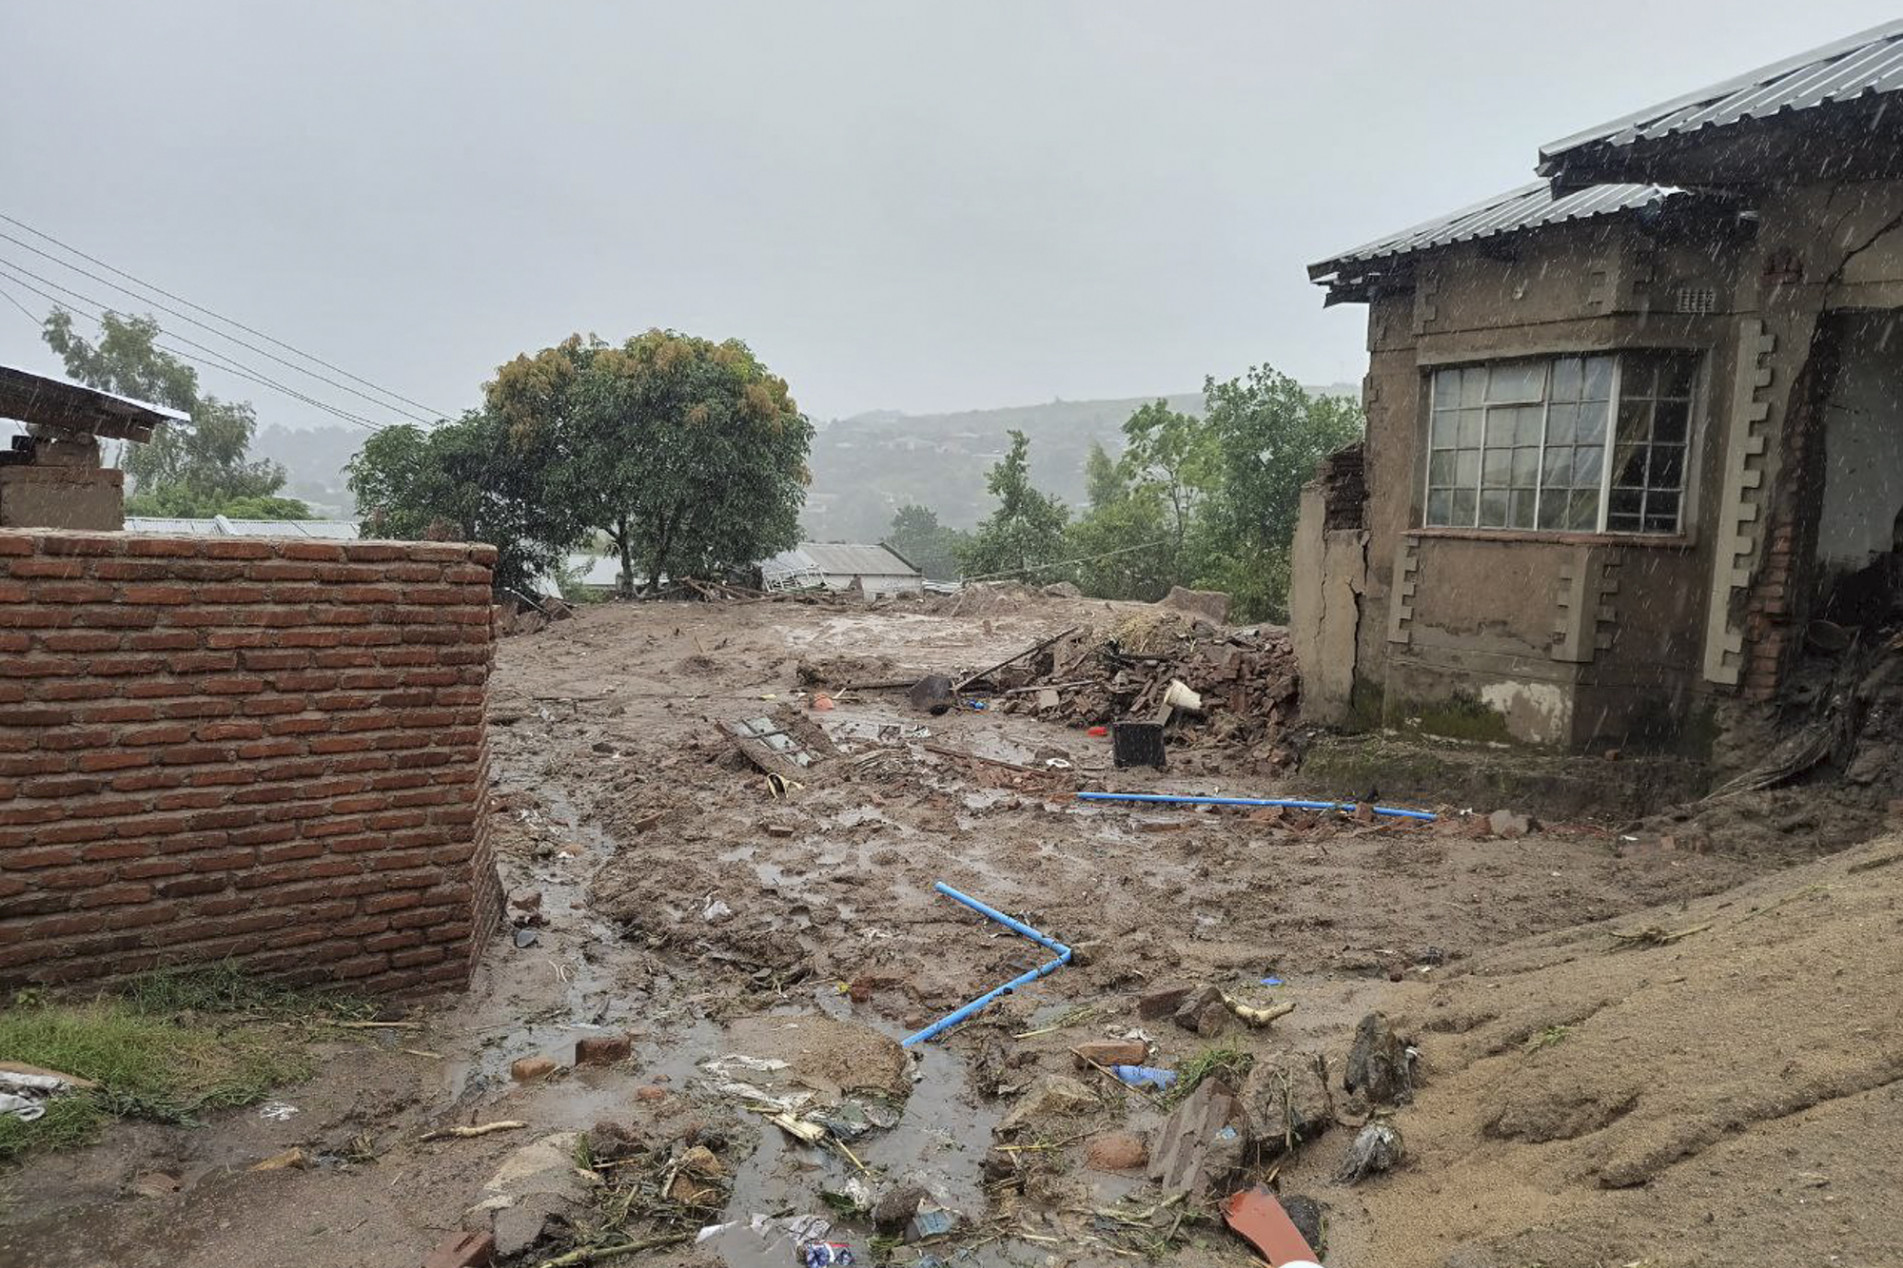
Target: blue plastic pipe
x=1167 y=799
x=1015 y=926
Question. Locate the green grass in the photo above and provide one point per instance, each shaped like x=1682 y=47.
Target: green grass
x=1226 y=1064
x=166 y=1047
x=1548 y=1037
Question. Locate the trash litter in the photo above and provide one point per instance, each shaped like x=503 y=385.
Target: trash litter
x=1023 y=979
x=825 y=1254
x=290 y=1158
x=1272 y=981
x=1257 y=1216
x=715 y=911
x=1098 y=731
x=822 y=703
x=276 y=1111
x=976 y=706
x=1258 y=1016
x=1378 y=1148
x=1137 y=744
x=25 y=1089
x=1145 y=1076
x=1171 y=799
x=798 y=1128
x=1179 y=696
x=933 y=1220
x=526 y=938
x=1057 y=763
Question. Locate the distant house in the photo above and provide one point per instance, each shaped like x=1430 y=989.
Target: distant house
x=837 y=565
x=1631 y=428
x=50 y=475
x=224 y=526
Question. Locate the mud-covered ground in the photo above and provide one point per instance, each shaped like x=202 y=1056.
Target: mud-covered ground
x=685 y=902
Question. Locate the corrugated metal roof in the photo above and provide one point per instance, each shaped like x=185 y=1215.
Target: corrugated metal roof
x=52 y=401
x=1863 y=65
x=221 y=526
x=326 y=530
x=170 y=526
x=838 y=559
x=1527 y=207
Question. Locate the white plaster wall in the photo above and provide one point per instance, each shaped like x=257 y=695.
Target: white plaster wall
x=1863 y=443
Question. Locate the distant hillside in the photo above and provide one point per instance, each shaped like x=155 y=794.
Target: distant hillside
x=864 y=467
x=867 y=466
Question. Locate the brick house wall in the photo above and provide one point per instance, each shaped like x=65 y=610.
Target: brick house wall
x=264 y=750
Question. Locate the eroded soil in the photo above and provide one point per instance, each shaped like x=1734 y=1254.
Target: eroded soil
x=683 y=902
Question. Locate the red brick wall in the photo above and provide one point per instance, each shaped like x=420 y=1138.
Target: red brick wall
x=267 y=750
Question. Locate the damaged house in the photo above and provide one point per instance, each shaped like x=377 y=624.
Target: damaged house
x=1635 y=431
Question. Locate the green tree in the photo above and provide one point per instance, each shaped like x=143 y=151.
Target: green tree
x=1176 y=456
x=467 y=480
x=203 y=466
x=687 y=453
x=1268 y=434
x=931 y=547
x=1024 y=536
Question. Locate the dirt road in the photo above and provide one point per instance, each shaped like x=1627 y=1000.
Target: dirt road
x=683 y=902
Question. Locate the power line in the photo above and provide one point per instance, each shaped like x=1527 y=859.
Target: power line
x=204 y=356
x=27 y=312
x=252 y=347
x=229 y=321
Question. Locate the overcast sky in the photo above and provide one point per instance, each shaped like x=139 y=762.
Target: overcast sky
x=919 y=207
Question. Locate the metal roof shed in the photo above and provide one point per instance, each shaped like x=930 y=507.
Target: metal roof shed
x=47 y=401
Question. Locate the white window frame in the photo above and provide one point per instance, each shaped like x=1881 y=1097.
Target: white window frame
x=1606 y=471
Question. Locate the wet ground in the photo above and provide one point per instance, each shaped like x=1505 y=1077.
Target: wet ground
x=683 y=902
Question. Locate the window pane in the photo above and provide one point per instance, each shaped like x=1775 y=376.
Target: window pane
x=1675 y=376
x=1440 y=468
x=1493 y=509
x=1500 y=427
x=1553 y=508
x=1671 y=420
x=1569 y=375
x=1528 y=421
x=1467 y=468
x=1473 y=385
x=1592 y=422
x=1626 y=502
x=1635 y=420
x=1497 y=469
x=1558 y=471
x=1636 y=376
x=1585 y=510
x=1441 y=432
x=1446 y=389
x=1661 y=512
x=1517 y=381
x=1667 y=469
x=1526 y=468
x=1628 y=466
x=1440 y=506
x=1467 y=435
x=1464 y=501
x=1562 y=421
x=1598 y=378
x=1588 y=464
x=1520 y=508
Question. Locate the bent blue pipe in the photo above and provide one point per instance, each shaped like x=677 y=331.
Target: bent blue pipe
x=1168 y=799
x=1023 y=979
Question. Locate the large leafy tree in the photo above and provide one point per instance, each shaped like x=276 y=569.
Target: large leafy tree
x=467 y=480
x=930 y=546
x=1024 y=536
x=1268 y=433
x=689 y=454
x=203 y=469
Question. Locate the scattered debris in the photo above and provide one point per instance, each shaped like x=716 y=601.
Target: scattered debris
x=1137 y=744
x=1116 y=1151
x=276 y=1111
x=1110 y=1052
x=525 y=938
x=480 y=1129
x=25 y=1089
x=1378 y=1148
x=1654 y=936
x=1257 y=1216
x=1258 y=1016
x=154 y=1184
x=462 y=1250
x=1016 y=926
x=1145 y=1076
x=1380 y=1063
x=285 y=1161
x=932 y=694
x=603 y=1049
x=1053 y=1096
x=1203 y=1143
x=535 y=1187
x=529 y=1069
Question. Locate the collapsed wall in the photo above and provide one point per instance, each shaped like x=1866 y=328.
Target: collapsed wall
x=269 y=751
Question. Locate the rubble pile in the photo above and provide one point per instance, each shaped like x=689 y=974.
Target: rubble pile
x=1246 y=679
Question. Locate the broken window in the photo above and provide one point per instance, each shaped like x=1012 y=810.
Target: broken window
x=1579 y=444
